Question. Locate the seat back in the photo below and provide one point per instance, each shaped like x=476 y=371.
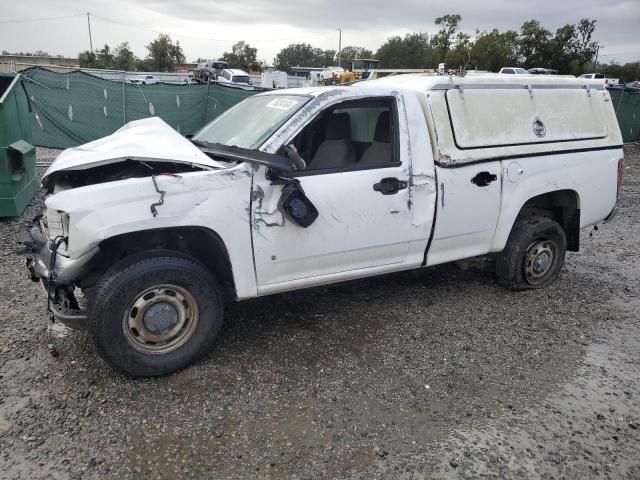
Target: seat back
x=336 y=150
x=380 y=149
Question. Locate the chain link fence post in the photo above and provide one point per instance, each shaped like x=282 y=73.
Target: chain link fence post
x=124 y=99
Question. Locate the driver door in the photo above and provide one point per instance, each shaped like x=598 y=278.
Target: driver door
x=359 y=185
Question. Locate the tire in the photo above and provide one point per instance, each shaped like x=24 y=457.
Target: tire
x=154 y=313
x=533 y=255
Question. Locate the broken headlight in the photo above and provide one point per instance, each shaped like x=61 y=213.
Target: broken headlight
x=57 y=223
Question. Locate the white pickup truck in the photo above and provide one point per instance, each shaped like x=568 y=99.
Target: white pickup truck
x=303 y=187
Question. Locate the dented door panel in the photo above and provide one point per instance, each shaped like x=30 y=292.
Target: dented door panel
x=467 y=211
x=359 y=229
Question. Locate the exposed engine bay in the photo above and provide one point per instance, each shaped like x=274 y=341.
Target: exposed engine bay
x=66 y=179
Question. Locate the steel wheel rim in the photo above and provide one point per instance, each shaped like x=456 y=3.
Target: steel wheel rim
x=541 y=259
x=160 y=319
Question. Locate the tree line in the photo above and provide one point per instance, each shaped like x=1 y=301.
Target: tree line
x=571 y=49
x=162 y=56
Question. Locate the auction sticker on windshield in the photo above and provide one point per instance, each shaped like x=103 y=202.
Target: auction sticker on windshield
x=282 y=103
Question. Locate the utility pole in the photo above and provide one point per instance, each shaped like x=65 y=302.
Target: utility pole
x=90 y=40
x=339 y=44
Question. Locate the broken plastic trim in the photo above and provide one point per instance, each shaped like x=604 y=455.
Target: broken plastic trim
x=238 y=154
x=295 y=205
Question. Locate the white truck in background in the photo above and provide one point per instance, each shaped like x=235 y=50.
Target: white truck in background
x=304 y=187
x=610 y=82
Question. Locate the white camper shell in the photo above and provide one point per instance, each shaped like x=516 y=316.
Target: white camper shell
x=303 y=187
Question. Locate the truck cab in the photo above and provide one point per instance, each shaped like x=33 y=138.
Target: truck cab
x=303 y=187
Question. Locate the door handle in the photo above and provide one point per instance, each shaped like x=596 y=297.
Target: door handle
x=483 y=179
x=389 y=186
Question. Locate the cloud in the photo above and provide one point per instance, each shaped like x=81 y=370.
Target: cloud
x=271 y=25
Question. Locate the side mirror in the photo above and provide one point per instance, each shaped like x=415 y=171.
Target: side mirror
x=295 y=205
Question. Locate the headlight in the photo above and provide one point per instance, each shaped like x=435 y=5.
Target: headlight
x=57 y=224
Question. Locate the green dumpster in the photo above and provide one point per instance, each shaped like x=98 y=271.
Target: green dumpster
x=18 y=178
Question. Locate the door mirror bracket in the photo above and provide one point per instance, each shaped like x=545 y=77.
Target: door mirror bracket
x=295 y=205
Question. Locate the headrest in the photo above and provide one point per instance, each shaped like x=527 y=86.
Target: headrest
x=338 y=126
x=383 y=129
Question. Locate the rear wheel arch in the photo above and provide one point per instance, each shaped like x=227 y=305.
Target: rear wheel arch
x=562 y=206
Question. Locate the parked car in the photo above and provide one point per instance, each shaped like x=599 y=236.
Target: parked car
x=209 y=70
x=542 y=71
x=635 y=85
x=143 y=80
x=602 y=77
x=513 y=71
x=310 y=186
x=234 y=75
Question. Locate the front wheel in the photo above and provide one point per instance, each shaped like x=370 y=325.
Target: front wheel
x=155 y=313
x=533 y=255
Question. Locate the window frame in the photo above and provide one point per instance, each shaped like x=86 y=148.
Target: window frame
x=394 y=136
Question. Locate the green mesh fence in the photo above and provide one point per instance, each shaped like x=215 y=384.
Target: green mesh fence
x=626 y=102
x=69 y=109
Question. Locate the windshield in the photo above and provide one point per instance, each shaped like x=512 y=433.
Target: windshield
x=521 y=71
x=252 y=121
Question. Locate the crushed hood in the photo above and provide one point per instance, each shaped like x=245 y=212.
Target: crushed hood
x=148 y=139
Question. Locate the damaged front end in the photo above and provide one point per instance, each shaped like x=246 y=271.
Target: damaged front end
x=54 y=271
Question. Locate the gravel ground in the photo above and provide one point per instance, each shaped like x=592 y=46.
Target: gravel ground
x=432 y=374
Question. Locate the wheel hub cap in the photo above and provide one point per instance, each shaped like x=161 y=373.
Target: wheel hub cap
x=540 y=261
x=161 y=319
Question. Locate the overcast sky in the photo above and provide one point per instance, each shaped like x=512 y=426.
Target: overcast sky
x=207 y=28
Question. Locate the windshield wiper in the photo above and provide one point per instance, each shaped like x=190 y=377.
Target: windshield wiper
x=199 y=143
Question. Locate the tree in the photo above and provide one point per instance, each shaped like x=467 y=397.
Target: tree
x=350 y=53
x=164 y=55
x=444 y=38
x=104 y=57
x=493 y=50
x=460 y=55
x=585 y=48
x=411 y=51
x=326 y=58
x=296 y=54
x=562 y=51
x=303 y=55
x=535 y=45
x=124 y=58
x=87 y=59
x=242 y=55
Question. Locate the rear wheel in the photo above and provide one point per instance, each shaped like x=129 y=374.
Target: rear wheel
x=533 y=255
x=155 y=313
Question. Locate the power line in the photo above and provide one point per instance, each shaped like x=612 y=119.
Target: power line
x=179 y=35
x=41 y=19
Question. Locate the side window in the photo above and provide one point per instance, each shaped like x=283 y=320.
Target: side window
x=508 y=70
x=599 y=75
x=352 y=135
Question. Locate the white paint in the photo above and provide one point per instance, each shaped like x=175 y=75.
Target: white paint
x=467 y=214
x=360 y=232
x=150 y=139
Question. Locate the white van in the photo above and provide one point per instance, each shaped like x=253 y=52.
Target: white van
x=303 y=187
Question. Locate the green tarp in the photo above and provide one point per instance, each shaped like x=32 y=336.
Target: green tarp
x=69 y=109
x=626 y=102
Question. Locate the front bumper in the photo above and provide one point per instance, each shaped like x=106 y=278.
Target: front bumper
x=56 y=273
